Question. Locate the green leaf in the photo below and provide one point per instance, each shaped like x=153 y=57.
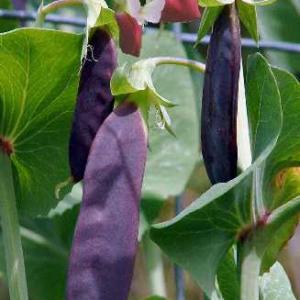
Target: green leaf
x=107 y=19
x=263 y=93
x=287 y=151
x=149 y=211
x=275 y=25
x=38 y=88
x=93 y=11
x=208 y=19
x=275 y=285
x=228 y=280
x=199 y=237
x=248 y=16
x=212 y=3
x=281 y=178
x=170 y=160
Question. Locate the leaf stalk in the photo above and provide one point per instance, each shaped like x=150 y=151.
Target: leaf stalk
x=15 y=266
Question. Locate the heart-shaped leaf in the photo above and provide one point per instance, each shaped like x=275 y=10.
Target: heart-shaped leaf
x=281 y=176
x=206 y=229
x=38 y=88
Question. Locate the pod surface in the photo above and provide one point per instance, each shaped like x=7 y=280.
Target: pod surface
x=220 y=98
x=94 y=99
x=105 y=241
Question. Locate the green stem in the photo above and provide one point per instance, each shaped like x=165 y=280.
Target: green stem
x=168 y=60
x=250 y=269
x=154 y=267
x=11 y=233
x=42 y=241
x=52 y=7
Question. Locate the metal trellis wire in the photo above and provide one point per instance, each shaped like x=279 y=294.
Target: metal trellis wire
x=183 y=36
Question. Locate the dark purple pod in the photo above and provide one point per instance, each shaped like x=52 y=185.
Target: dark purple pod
x=220 y=97
x=94 y=99
x=105 y=241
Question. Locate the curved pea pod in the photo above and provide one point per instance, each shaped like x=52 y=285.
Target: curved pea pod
x=105 y=241
x=220 y=98
x=94 y=99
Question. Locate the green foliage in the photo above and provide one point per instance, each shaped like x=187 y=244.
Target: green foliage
x=38 y=88
x=201 y=235
x=227 y=277
x=279 y=22
x=208 y=18
x=248 y=16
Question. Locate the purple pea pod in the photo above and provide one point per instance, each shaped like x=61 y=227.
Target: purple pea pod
x=220 y=98
x=94 y=100
x=105 y=241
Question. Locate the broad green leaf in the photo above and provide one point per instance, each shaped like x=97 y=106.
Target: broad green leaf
x=282 y=178
x=38 y=87
x=278 y=22
x=263 y=92
x=287 y=151
x=212 y=3
x=208 y=19
x=275 y=285
x=248 y=17
x=170 y=160
x=199 y=237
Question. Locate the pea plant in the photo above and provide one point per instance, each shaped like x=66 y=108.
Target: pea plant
x=100 y=129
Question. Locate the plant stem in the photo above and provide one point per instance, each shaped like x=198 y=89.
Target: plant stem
x=11 y=233
x=250 y=274
x=52 y=7
x=167 y=60
x=179 y=275
x=155 y=268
